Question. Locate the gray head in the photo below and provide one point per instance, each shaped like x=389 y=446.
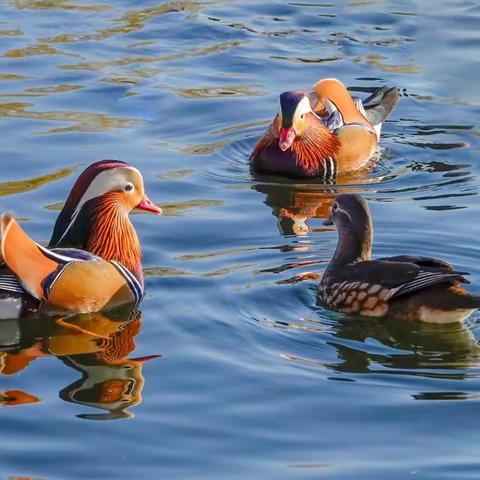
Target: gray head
x=351 y=216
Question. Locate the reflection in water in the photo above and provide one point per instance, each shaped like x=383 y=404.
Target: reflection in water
x=80 y=121
x=294 y=204
x=448 y=352
x=97 y=345
x=432 y=350
x=28 y=184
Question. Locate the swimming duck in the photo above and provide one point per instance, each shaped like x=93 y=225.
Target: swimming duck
x=93 y=260
x=323 y=134
x=400 y=287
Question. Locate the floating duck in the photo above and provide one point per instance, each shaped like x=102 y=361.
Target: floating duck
x=93 y=260
x=323 y=134
x=400 y=287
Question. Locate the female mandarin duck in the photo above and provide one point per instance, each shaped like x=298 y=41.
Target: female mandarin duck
x=324 y=134
x=400 y=287
x=93 y=260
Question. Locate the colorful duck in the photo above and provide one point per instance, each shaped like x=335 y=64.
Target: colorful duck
x=93 y=260
x=323 y=134
x=400 y=287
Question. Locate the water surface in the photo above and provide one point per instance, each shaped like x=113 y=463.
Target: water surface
x=230 y=371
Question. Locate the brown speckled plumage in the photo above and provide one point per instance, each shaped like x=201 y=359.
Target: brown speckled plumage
x=401 y=287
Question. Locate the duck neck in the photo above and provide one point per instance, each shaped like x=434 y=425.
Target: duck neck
x=353 y=246
x=112 y=236
x=315 y=144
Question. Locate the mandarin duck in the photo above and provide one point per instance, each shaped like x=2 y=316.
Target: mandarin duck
x=324 y=133
x=93 y=260
x=400 y=287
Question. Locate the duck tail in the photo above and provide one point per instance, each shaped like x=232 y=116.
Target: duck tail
x=476 y=301
x=380 y=104
x=28 y=260
x=461 y=298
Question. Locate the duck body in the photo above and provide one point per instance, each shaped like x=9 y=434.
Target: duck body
x=322 y=134
x=401 y=287
x=93 y=261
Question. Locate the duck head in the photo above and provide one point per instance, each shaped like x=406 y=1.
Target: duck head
x=95 y=216
x=293 y=117
x=351 y=216
x=112 y=179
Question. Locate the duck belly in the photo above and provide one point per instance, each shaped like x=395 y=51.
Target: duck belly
x=436 y=304
x=432 y=315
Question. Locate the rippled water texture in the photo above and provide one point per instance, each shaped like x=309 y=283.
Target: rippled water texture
x=230 y=371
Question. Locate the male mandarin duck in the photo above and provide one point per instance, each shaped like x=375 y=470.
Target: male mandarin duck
x=323 y=134
x=93 y=260
x=400 y=287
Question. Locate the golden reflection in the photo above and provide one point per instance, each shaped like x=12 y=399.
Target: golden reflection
x=33 y=51
x=96 y=345
x=16 y=32
x=164 y=272
x=219 y=91
x=11 y=76
x=180 y=208
x=142 y=59
x=378 y=62
x=129 y=22
x=242 y=126
x=81 y=121
x=205 y=148
x=28 y=184
x=176 y=174
x=59 y=4
x=38 y=91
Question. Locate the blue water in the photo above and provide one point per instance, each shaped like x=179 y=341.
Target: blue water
x=253 y=380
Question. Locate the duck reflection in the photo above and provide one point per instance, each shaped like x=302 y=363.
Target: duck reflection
x=97 y=345
x=433 y=350
x=294 y=204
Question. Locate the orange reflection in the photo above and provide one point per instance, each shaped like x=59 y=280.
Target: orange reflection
x=97 y=345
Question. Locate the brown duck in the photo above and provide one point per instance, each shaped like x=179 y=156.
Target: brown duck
x=400 y=287
x=323 y=134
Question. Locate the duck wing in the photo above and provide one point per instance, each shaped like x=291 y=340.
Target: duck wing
x=395 y=278
x=378 y=106
x=72 y=280
x=9 y=282
x=421 y=261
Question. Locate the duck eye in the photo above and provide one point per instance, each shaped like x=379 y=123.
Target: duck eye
x=128 y=187
x=335 y=206
x=301 y=116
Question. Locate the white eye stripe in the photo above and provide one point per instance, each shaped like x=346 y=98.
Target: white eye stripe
x=106 y=181
x=338 y=209
x=303 y=107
